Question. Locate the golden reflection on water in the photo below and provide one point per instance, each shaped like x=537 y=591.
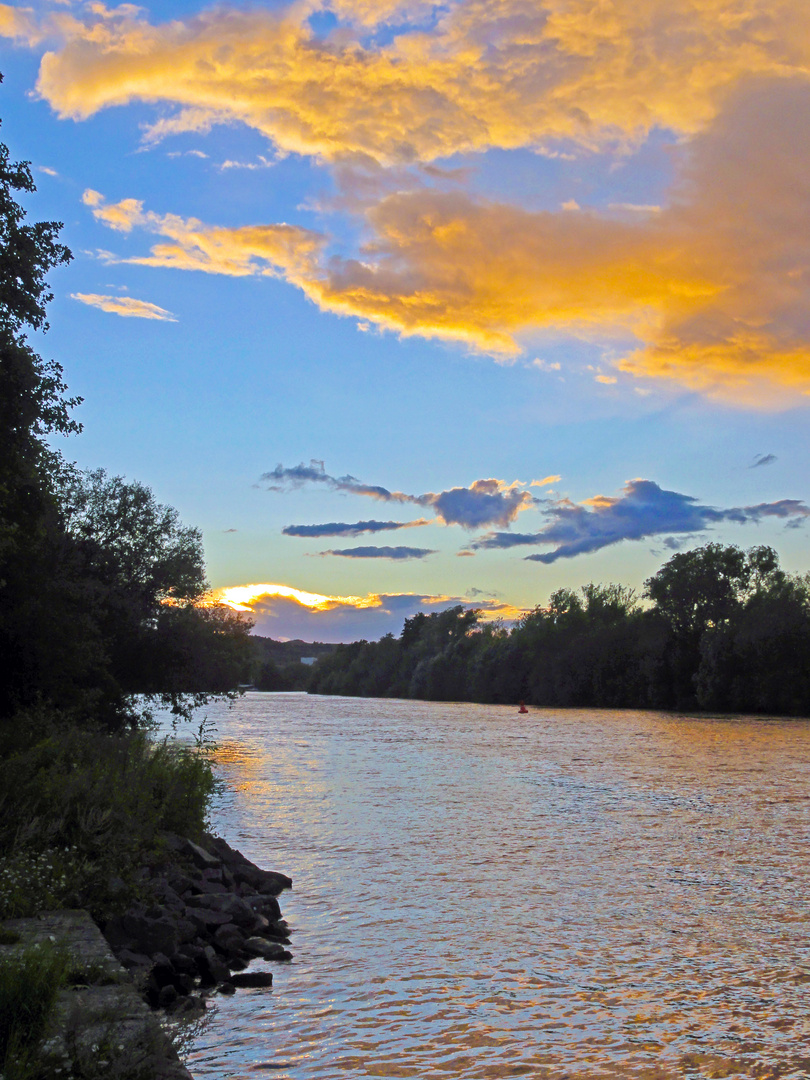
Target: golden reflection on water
x=476 y=894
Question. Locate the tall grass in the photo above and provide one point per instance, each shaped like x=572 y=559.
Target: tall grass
x=82 y=811
x=29 y=986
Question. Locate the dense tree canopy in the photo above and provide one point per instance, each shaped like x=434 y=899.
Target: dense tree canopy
x=725 y=629
x=102 y=589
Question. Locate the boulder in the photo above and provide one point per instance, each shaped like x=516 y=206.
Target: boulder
x=270 y=950
x=252 y=978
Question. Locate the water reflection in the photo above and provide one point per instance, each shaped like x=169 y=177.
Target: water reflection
x=478 y=894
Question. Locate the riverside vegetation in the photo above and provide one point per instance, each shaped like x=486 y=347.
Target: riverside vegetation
x=723 y=630
x=103 y=617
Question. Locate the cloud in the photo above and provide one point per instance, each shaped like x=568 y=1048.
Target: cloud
x=395 y=553
x=554 y=478
x=339 y=528
x=710 y=292
x=282 y=611
x=283 y=479
x=485 y=502
x=465 y=77
x=127 y=306
x=267 y=250
x=643 y=509
x=47 y=170
x=20 y=24
x=763 y=459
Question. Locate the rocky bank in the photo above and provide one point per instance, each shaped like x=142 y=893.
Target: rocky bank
x=213 y=912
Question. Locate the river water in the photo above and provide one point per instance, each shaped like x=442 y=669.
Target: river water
x=478 y=894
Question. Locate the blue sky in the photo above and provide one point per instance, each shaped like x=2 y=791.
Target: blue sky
x=424 y=285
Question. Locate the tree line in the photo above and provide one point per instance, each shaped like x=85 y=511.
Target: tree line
x=716 y=628
x=102 y=588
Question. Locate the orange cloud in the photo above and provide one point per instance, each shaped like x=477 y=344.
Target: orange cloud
x=19 y=24
x=239 y=252
x=489 y=73
x=284 y=612
x=125 y=305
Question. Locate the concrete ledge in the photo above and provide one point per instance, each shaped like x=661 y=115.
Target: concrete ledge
x=101 y=1023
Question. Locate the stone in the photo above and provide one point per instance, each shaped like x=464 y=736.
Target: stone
x=183 y=984
x=167 y=996
x=203 y=918
x=228 y=937
x=252 y=978
x=270 y=950
x=133 y=960
x=201 y=858
x=163 y=974
x=212 y=970
x=189 y=1008
x=265 y=905
x=227 y=988
x=183 y=964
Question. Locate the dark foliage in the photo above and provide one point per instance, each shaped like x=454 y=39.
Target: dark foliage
x=102 y=589
x=726 y=630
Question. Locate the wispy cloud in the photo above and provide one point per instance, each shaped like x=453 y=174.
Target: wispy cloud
x=484 y=503
x=642 y=510
x=763 y=459
x=395 y=553
x=127 y=306
x=341 y=528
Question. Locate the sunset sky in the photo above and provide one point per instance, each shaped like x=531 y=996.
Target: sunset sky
x=408 y=304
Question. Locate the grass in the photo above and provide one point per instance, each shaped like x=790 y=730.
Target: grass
x=81 y=813
x=29 y=986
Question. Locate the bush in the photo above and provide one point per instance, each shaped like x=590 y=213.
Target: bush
x=82 y=811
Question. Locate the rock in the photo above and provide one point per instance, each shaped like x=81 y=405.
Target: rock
x=234 y=907
x=201 y=858
x=183 y=964
x=163 y=974
x=265 y=905
x=203 y=918
x=270 y=950
x=252 y=978
x=183 y=984
x=132 y=960
x=212 y=970
x=190 y=1008
x=227 y=988
x=167 y=996
x=228 y=938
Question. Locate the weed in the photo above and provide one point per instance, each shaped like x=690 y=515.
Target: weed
x=29 y=985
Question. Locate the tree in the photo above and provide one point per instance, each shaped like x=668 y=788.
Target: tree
x=704 y=587
x=32 y=405
x=102 y=589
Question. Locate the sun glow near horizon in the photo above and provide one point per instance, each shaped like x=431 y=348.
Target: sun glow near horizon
x=241 y=597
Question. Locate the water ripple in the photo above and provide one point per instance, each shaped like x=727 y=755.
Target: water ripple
x=583 y=894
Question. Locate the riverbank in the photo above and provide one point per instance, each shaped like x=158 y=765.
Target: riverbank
x=212 y=925
x=214 y=913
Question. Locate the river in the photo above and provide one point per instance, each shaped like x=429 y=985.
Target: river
x=479 y=894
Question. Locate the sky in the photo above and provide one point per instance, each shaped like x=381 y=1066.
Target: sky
x=407 y=305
